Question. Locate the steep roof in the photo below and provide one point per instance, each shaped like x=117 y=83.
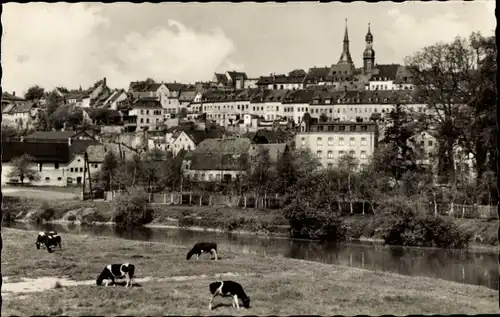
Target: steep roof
x=9 y=97
x=54 y=136
x=174 y=86
x=386 y=72
x=96 y=153
x=228 y=146
x=234 y=75
x=144 y=86
x=221 y=79
x=187 y=95
x=299 y=96
x=42 y=152
x=207 y=162
x=264 y=136
x=150 y=103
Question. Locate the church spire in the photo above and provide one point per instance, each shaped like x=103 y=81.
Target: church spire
x=345 y=58
x=346 y=34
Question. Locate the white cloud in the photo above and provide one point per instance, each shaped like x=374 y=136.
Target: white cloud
x=60 y=45
x=409 y=35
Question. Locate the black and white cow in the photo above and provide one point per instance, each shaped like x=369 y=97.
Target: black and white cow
x=229 y=289
x=115 y=271
x=201 y=247
x=50 y=239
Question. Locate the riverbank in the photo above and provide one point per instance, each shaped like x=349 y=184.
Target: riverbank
x=169 y=284
x=247 y=221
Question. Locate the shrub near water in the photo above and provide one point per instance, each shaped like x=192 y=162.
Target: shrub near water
x=314 y=223
x=132 y=210
x=411 y=228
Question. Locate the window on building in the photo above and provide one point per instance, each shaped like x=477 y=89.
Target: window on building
x=342 y=128
x=320 y=128
x=363 y=154
x=319 y=154
x=210 y=177
x=47 y=179
x=142 y=111
x=330 y=128
x=422 y=143
x=352 y=128
x=330 y=141
x=56 y=166
x=363 y=141
x=217 y=177
x=71 y=169
x=352 y=153
x=430 y=143
x=303 y=141
x=341 y=141
x=319 y=141
x=352 y=142
x=364 y=128
x=59 y=178
x=81 y=169
x=341 y=153
x=330 y=154
x=330 y=165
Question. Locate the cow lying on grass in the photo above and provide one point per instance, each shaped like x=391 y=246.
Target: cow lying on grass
x=115 y=271
x=229 y=289
x=50 y=239
x=203 y=247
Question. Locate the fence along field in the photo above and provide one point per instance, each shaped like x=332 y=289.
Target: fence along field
x=274 y=201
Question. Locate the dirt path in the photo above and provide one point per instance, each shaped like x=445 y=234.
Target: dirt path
x=28 y=285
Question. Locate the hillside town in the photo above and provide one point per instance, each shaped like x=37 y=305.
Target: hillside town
x=332 y=112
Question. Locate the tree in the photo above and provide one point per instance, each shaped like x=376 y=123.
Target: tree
x=442 y=73
x=52 y=102
x=34 y=93
x=479 y=136
x=261 y=173
x=22 y=168
x=396 y=154
x=132 y=209
x=286 y=173
x=8 y=132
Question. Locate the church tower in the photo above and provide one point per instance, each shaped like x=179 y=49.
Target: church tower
x=369 y=53
x=345 y=58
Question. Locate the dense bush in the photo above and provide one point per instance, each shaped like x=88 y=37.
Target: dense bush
x=46 y=213
x=313 y=223
x=419 y=229
x=132 y=210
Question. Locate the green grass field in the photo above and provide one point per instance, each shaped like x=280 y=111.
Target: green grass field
x=276 y=286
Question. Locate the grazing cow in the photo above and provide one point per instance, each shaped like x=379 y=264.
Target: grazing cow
x=229 y=289
x=201 y=247
x=45 y=237
x=114 y=271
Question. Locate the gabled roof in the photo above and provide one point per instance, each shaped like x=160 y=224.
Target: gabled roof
x=207 y=162
x=150 y=103
x=299 y=96
x=228 y=146
x=42 y=152
x=54 y=136
x=385 y=71
x=8 y=97
x=187 y=95
x=221 y=79
x=234 y=75
x=174 y=86
x=24 y=107
x=264 y=136
x=144 y=86
x=96 y=153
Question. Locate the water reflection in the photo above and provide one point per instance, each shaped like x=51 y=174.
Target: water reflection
x=478 y=268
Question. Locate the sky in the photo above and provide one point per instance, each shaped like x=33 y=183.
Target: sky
x=73 y=45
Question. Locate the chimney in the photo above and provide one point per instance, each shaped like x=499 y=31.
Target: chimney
x=69 y=141
x=104 y=81
x=13 y=93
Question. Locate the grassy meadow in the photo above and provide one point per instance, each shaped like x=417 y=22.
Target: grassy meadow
x=276 y=286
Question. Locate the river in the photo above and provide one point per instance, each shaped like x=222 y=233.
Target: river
x=468 y=267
